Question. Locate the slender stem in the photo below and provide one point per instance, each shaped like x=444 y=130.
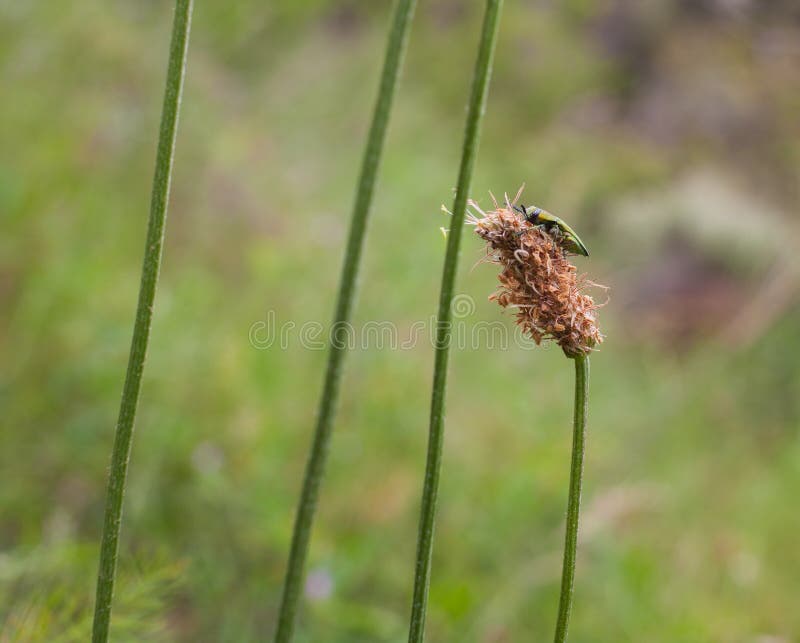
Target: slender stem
x=144 y=314
x=574 y=502
x=395 y=48
x=477 y=105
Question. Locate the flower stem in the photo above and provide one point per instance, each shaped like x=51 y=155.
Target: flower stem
x=574 y=502
x=477 y=104
x=398 y=37
x=144 y=314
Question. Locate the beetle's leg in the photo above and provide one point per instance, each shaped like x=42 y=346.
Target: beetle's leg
x=523 y=212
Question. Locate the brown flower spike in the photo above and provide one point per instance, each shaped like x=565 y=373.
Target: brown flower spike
x=538 y=280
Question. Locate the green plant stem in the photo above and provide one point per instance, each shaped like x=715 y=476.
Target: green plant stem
x=477 y=104
x=395 y=48
x=574 y=502
x=144 y=314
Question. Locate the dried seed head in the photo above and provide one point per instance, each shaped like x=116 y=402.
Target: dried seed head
x=538 y=280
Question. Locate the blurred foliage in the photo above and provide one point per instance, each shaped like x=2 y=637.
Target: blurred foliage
x=666 y=133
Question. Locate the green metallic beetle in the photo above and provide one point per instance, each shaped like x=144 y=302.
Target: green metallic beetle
x=570 y=240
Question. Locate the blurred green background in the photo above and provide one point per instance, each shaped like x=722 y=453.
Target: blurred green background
x=666 y=133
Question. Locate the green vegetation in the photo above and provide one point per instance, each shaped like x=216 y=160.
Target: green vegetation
x=579 y=413
x=338 y=345
x=154 y=243
x=444 y=317
x=693 y=456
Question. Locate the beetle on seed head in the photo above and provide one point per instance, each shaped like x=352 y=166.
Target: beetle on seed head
x=537 y=216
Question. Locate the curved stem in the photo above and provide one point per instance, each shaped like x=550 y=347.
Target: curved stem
x=398 y=37
x=477 y=104
x=144 y=314
x=574 y=502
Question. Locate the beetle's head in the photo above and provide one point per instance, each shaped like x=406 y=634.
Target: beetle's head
x=531 y=215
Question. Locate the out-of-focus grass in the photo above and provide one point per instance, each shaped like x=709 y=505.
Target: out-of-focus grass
x=693 y=455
